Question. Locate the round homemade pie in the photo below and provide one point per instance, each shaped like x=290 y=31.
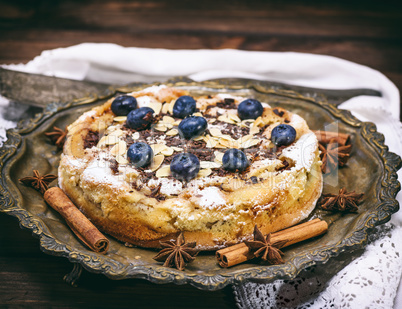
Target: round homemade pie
x=149 y=165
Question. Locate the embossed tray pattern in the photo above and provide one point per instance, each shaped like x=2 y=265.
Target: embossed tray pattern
x=371 y=169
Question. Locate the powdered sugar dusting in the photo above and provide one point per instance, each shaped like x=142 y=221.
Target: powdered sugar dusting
x=98 y=171
x=303 y=151
x=146 y=101
x=210 y=198
x=168 y=186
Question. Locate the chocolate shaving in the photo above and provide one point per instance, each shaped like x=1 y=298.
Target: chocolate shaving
x=227 y=103
x=155 y=191
x=279 y=113
x=91 y=139
x=233 y=130
x=203 y=154
x=285 y=166
x=114 y=166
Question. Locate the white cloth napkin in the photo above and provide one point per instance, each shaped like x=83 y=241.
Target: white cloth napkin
x=111 y=63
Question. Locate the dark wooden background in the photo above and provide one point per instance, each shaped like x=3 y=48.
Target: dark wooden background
x=366 y=32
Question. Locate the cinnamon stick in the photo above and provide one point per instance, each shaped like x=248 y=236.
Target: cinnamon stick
x=76 y=220
x=327 y=136
x=240 y=253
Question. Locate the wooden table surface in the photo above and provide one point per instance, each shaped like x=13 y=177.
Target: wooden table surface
x=366 y=32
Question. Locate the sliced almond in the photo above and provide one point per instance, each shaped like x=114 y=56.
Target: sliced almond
x=157 y=148
x=211 y=142
x=246 y=123
x=254 y=129
x=234 y=117
x=156 y=162
x=245 y=138
x=111 y=140
x=119 y=149
x=156 y=106
x=199 y=138
x=120 y=118
x=227 y=144
x=170 y=110
x=168 y=151
x=165 y=108
x=218 y=156
x=226 y=137
x=102 y=142
x=117 y=132
x=209 y=164
x=204 y=172
x=135 y=135
x=258 y=122
x=249 y=143
x=177 y=122
x=212 y=120
x=160 y=127
x=111 y=129
x=172 y=132
x=198 y=114
x=236 y=144
x=177 y=149
x=164 y=171
x=224 y=118
x=121 y=160
x=168 y=119
x=215 y=132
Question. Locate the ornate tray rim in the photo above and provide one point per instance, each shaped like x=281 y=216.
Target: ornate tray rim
x=385 y=206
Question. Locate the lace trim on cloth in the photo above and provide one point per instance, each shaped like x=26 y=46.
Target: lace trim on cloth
x=339 y=282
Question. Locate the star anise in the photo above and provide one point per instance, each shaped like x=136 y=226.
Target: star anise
x=176 y=253
x=38 y=182
x=264 y=248
x=343 y=201
x=333 y=155
x=57 y=136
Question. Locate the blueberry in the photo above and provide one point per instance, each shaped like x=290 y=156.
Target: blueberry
x=192 y=126
x=235 y=160
x=283 y=135
x=140 y=154
x=123 y=104
x=184 y=106
x=185 y=166
x=250 y=109
x=140 y=118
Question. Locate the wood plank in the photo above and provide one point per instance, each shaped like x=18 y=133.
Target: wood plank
x=257 y=17
x=29 y=277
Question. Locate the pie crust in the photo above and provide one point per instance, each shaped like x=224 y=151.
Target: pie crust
x=143 y=206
